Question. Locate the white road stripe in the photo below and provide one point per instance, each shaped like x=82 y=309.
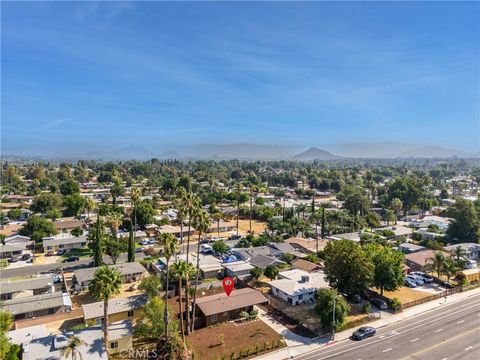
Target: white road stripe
x=438 y=330
x=444 y=358
x=470 y=347
x=390 y=349
x=461 y=321
x=416 y=339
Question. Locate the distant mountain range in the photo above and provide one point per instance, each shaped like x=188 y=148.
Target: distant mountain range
x=241 y=151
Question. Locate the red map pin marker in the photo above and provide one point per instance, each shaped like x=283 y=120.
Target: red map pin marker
x=228 y=284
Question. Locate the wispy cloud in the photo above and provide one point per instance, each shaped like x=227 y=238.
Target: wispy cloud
x=56 y=123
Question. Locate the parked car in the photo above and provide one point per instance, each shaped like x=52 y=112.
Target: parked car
x=26 y=256
x=235 y=237
x=56 y=279
x=418 y=280
x=61 y=252
x=356 y=299
x=364 y=332
x=207 y=249
x=13 y=259
x=138 y=250
x=71 y=259
x=379 y=303
x=145 y=242
x=50 y=253
x=446 y=284
x=410 y=283
x=426 y=278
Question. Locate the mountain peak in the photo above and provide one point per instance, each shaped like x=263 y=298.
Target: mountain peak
x=315 y=153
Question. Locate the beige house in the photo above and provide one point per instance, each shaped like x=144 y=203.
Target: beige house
x=119 y=309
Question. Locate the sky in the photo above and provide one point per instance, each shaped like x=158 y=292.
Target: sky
x=92 y=75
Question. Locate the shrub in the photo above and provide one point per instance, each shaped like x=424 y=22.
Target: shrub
x=221 y=339
x=253 y=314
x=366 y=308
x=395 y=304
x=257 y=349
x=244 y=315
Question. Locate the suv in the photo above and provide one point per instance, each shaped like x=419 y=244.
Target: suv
x=410 y=283
x=379 y=303
x=364 y=332
x=417 y=279
x=426 y=278
x=71 y=259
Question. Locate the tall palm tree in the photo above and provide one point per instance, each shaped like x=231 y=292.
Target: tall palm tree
x=217 y=216
x=239 y=189
x=74 y=342
x=105 y=283
x=450 y=267
x=202 y=223
x=135 y=196
x=437 y=263
x=170 y=248
x=251 y=206
x=180 y=270
x=181 y=213
x=459 y=254
x=191 y=202
x=89 y=205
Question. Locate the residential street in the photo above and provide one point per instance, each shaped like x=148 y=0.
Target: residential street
x=446 y=333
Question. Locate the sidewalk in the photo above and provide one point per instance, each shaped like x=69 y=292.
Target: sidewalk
x=298 y=345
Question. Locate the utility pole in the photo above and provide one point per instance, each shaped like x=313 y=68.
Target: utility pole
x=333 y=324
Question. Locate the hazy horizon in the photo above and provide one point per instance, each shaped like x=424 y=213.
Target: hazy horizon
x=87 y=76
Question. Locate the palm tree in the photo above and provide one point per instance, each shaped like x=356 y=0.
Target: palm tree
x=74 y=342
x=450 y=267
x=191 y=203
x=438 y=263
x=251 y=205
x=105 y=283
x=181 y=212
x=135 y=196
x=218 y=216
x=170 y=248
x=202 y=223
x=89 y=205
x=459 y=254
x=180 y=270
x=114 y=220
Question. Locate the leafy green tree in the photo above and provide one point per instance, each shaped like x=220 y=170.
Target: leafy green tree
x=220 y=247
x=8 y=351
x=131 y=245
x=256 y=272
x=144 y=213
x=324 y=308
x=116 y=190
x=14 y=213
x=96 y=236
x=388 y=267
x=78 y=231
x=465 y=225
x=53 y=214
x=347 y=267
x=105 y=283
x=271 y=272
x=288 y=258
x=114 y=247
x=74 y=204
x=396 y=205
x=151 y=285
x=408 y=189
x=373 y=220
x=46 y=202
x=69 y=187
x=152 y=325
x=37 y=228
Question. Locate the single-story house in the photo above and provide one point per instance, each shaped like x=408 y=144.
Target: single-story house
x=286 y=248
x=219 y=308
x=222 y=226
x=298 y=286
x=17 y=239
x=262 y=261
x=471 y=250
x=66 y=243
x=138 y=235
x=175 y=230
x=355 y=236
x=429 y=235
x=65 y=226
x=248 y=253
x=37 y=342
x=471 y=274
x=305 y=265
x=409 y=248
x=130 y=272
x=420 y=261
x=11 y=250
x=26 y=288
x=119 y=309
x=308 y=246
x=18 y=199
x=240 y=269
x=210 y=266
x=39 y=305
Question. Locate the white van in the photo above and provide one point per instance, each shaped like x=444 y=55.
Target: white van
x=206 y=249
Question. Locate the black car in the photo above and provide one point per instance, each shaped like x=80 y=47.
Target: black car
x=71 y=259
x=364 y=332
x=447 y=285
x=379 y=303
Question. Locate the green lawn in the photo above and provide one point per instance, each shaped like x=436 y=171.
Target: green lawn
x=3 y=263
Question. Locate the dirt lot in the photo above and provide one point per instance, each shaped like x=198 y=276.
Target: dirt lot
x=405 y=294
x=257 y=226
x=237 y=337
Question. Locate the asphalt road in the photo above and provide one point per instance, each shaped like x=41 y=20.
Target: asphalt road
x=447 y=333
x=45 y=268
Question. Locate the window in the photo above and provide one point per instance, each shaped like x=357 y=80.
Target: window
x=114 y=345
x=225 y=313
x=30 y=314
x=51 y=311
x=61 y=246
x=214 y=317
x=300 y=297
x=130 y=313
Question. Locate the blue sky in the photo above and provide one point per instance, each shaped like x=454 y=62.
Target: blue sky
x=158 y=74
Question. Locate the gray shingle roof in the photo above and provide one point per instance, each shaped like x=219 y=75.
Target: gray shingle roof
x=115 y=306
x=262 y=261
x=83 y=275
x=7 y=287
x=33 y=303
x=64 y=241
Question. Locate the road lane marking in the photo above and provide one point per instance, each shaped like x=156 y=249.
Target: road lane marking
x=314 y=354
x=416 y=339
x=444 y=358
x=390 y=349
x=461 y=321
x=438 y=330
x=470 y=347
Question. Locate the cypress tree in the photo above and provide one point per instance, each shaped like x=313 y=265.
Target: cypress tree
x=97 y=250
x=131 y=246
